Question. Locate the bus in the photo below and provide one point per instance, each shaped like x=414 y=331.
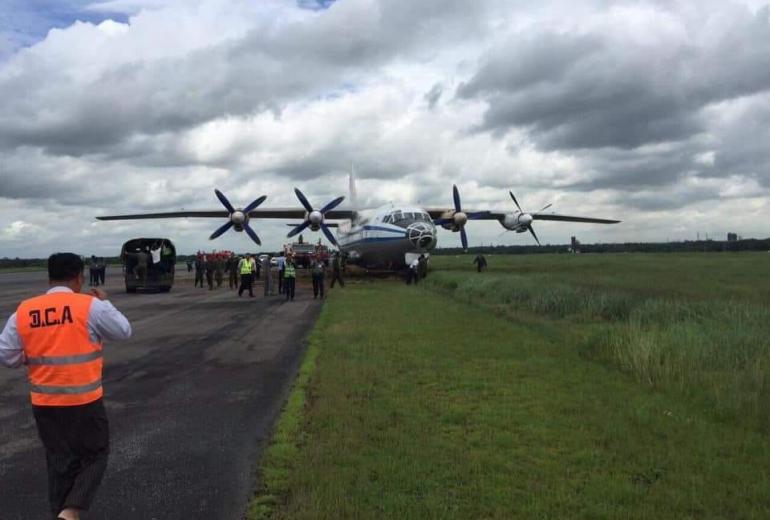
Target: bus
x=148 y=264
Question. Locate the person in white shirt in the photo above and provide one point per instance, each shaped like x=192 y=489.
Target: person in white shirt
x=59 y=336
x=412 y=273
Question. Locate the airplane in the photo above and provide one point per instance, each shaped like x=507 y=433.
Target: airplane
x=389 y=237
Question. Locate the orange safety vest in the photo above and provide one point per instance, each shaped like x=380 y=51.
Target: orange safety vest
x=64 y=365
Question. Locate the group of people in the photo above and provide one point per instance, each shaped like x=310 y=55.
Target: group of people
x=213 y=266
x=153 y=261
x=245 y=270
x=97 y=269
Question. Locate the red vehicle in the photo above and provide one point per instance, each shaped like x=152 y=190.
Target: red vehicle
x=304 y=254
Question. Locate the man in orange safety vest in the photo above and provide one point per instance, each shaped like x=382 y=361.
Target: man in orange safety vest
x=59 y=336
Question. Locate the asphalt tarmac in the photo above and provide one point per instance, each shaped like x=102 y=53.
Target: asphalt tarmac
x=192 y=398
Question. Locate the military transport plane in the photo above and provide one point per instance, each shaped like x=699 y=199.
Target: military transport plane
x=389 y=237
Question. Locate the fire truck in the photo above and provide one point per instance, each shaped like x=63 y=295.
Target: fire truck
x=304 y=253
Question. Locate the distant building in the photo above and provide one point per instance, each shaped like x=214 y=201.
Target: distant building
x=575 y=245
x=732 y=237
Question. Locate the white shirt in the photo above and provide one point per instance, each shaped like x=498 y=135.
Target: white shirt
x=414 y=264
x=155 y=255
x=281 y=262
x=105 y=322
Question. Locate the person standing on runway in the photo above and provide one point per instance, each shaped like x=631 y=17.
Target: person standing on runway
x=232 y=270
x=245 y=268
x=209 y=265
x=281 y=266
x=93 y=278
x=59 y=336
x=289 y=277
x=266 y=270
x=319 y=275
x=102 y=270
x=337 y=269
x=199 y=270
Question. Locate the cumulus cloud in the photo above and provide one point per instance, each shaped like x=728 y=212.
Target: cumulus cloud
x=622 y=109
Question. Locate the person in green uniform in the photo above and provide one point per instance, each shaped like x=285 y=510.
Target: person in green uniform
x=219 y=270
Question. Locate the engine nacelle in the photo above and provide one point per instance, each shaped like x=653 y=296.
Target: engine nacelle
x=447 y=217
x=518 y=222
x=509 y=222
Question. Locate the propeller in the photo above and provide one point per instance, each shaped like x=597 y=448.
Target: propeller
x=459 y=218
x=238 y=217
x=315 y=218
x=527 y=218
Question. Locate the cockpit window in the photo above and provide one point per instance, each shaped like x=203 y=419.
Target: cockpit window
x=397 y=216
x=386 y=219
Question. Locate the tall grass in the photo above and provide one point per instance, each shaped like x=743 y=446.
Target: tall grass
x=714 y=350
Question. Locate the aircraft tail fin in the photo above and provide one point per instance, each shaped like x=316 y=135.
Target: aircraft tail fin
x=352 y=189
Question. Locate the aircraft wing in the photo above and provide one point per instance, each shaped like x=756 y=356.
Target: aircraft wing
x=286 y=213
x=437 y=213
x=567 y=218
x=298 y=213
x=170 y=214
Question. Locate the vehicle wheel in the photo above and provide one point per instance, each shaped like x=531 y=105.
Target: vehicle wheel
x=165 y=288
x=130 y=289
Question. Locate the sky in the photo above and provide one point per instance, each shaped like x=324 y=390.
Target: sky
x=649 y=111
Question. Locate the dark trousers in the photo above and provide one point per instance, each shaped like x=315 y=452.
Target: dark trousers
x=337 y=277
x=288 y=287
x=318 y=286
x=245 y=284
x=210 y=278
x=198 y=277
x=411 y=275
x=77 y=445
x=92 y=278
x=280 y=281
x=102 y=274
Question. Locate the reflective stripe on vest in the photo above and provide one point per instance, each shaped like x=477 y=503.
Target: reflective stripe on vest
x=245 y=267
x=64 y=365
x=289 y=272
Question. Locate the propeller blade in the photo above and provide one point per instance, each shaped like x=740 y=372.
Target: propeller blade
x=247 y=228
x=534 y=235
x=515 y=201
x=303 y=200
x=464 y=239
x=328 y=234
x=254 y=204
x=456 y=196
x=333 y=204
x=298 y=229
x=544 y=208
x=224 y=201
x=220 y=230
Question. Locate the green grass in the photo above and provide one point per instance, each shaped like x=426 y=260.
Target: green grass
x=506 y=402
x=696 y=324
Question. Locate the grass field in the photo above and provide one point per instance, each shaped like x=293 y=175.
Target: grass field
x=614 y=386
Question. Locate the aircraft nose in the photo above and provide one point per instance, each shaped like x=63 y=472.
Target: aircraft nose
x=421 y=235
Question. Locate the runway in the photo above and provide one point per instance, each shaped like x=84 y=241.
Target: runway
x=191 y=399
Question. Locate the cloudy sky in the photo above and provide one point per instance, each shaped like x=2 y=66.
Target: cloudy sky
x=654 y=112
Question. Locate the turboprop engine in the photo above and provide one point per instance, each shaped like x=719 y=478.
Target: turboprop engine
x=518 y=222
x=521 y=221
x=314 y=218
